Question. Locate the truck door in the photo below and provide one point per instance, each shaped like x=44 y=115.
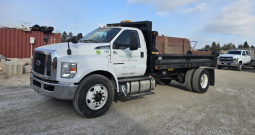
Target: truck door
x=128 y=62
x=248 y=57
x=245 y=57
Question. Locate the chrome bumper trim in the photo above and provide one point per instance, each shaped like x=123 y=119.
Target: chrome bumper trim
x=232 y=64
x=61 y=91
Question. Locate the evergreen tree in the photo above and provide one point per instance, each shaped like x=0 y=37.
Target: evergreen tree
x=63 y=37
x=70 y=34
x=231 y=46
x=240 y=46
x=252 y=46
x=207 y=47
x=246 y=45
x=213 y=47
x=218 y=46
x=225 y=47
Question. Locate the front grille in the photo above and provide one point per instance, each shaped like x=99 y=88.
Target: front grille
x=38 y=84
x=48 y=87
x=45 y=80
x=49 y=65
x=227 y=59
x=39 y=63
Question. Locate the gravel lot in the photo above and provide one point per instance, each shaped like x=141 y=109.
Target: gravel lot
x=226 y=108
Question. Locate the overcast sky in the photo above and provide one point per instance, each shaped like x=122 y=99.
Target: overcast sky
x=204 y=21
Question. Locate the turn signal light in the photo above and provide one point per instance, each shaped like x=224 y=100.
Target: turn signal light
x=72 y=69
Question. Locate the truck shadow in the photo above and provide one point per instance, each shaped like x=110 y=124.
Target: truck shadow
x=62 y=111
x=245 y=69
x=125 y=99
x=250 y=70
x=177 y=85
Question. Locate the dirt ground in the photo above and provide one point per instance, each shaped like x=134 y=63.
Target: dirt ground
x=226 y=108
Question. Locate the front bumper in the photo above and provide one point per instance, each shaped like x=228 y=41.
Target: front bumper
x=53 y=90
x=228 y=64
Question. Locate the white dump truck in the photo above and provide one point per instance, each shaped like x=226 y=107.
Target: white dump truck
x=119 y=60
x=237 y=59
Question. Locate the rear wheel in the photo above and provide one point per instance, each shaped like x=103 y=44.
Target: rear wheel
x=163 y=81
x=201 y=80
x=239 y=67
x=94 y=96
x=188 y=79
x=219 y=67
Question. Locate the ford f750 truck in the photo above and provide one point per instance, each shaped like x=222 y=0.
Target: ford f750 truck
x=119 y=60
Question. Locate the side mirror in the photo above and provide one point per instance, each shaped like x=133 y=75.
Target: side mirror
x=45 y=39
x=75 y=39
x=133 y=41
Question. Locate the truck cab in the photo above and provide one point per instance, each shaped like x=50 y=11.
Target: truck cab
x=234 y=58
x=120 y=60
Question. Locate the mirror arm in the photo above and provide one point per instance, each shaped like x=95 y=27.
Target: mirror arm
x=69 y=52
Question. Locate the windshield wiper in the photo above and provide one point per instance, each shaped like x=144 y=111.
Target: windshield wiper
x=90 y=40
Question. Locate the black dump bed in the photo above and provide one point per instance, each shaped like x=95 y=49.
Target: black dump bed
x=158 y=61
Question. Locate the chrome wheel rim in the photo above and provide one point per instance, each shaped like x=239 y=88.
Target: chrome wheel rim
x=204 y=81
x=96 y=97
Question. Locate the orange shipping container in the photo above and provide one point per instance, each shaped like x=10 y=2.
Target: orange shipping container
x=15 y=43
x=172 y=45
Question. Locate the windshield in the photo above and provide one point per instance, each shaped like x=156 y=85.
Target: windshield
x=233 y=52
x=101 y=35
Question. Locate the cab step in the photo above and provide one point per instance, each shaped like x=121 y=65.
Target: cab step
x=140 y=94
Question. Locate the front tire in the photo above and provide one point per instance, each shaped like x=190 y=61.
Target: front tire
x=219 y=67
x=239 y=67
x=94 y=96
x=201 y=80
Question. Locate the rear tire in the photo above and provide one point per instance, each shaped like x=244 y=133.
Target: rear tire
x=163 y=81
x=201 y=80
x=93 y=96
x=188 y=79
x=219 y=67
x=239 y=67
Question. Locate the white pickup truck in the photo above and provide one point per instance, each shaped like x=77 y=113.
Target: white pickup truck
x=235 y=58
x=120 y=60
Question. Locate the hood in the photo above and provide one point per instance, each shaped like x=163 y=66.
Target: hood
x=229 y=55
x=77 y=49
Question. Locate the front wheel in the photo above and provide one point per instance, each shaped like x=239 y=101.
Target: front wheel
x=239 y=67
x=201 y=80
x=219 y=67
x=94 y=96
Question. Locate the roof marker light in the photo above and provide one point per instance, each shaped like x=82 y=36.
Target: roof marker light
x=125 y=21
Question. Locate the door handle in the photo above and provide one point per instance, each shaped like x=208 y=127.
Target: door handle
x=142 y=54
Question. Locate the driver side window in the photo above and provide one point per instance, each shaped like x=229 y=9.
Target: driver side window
x=124 y=39
x=244 y=53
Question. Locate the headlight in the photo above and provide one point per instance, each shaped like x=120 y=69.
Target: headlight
x=68 y=70
x=218 y=59
x=236 y=59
